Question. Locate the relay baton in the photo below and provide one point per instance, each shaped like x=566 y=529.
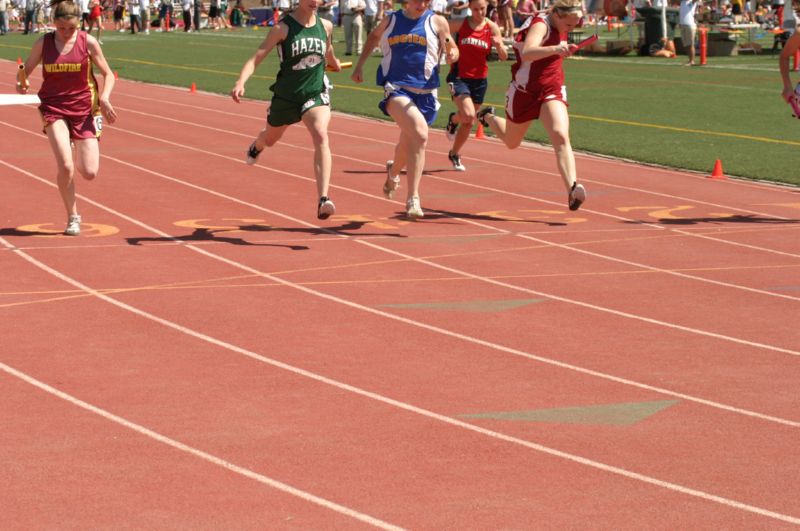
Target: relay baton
x=586 y=42
x=344 y=65
x=22 y=79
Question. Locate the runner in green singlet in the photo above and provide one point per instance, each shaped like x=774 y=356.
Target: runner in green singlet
x=301 y=91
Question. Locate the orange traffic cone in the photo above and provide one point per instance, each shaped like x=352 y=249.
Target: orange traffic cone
x=479 y=132
x=716 y=173
x=193 y=88
x=116 y=75
x=19 y=60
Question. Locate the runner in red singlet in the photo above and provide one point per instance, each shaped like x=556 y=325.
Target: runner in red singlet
x=537 y=89
x=71 y=107
x=475 y=36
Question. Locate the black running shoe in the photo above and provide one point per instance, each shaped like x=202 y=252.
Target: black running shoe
x=452 y=127
x=481 y=115
x=455 y=159
x=252 y=154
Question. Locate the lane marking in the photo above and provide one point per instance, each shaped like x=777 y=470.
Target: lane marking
x=182 y=447
x=405 y=320
x=345 y=387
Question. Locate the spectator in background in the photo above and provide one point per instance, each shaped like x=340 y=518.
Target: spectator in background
x=439 y=7
x=3 y=18
x=686 y=20
x=371 y=15
x=187 y=6
x=777 y=8
x=144 y=14
x=459 y=9
x=165 y=21
x=95 y=18
x=505 y=13
x=133 y=14
x=352 y=12
x=119 y=12
x=325 y=9
x=30 y=14
x=525 y=10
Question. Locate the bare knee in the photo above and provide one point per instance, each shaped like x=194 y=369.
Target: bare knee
x=559 y=138
x=89 y=175
x=468 y=120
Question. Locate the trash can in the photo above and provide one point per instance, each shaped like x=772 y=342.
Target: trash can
x=653 y=26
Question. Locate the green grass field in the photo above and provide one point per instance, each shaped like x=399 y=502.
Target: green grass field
x=646 y=109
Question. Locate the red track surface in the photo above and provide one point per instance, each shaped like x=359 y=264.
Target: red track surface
x=212 y=356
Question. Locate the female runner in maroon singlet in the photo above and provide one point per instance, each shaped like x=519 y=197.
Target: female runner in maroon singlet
x=71 y=106
x=537 y=89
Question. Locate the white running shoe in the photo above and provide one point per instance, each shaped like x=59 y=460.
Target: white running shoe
x=392 y=181
x=413 y=209
x=73 y=225
x=326 y=208
x=576 y=196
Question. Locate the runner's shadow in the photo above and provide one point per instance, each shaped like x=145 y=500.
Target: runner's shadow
x=483 y=217
x=208 y=235
x=755 y=219
x=16 y=232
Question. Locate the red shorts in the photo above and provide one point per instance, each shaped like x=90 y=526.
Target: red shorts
x=522 y=106
x=96 y=12
x=80 y=127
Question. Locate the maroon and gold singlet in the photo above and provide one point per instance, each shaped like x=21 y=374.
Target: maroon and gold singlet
x=69 y=89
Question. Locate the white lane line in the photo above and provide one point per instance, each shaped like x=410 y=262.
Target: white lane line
x=674 y=487
x=265 y=480
x=311 y=290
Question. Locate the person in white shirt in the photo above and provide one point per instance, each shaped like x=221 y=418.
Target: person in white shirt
x=3 y=19
x=352 y=12
x=459 y=9
x=688 y=27
x=144 y=14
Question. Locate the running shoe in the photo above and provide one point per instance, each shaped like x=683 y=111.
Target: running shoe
x=326 y=208
x=455 y=159
x=481 y=115
x=452 y=127
x=413 y=209
x=73 y=225
x=577 y=196
x=252 y=154
x=392 y=182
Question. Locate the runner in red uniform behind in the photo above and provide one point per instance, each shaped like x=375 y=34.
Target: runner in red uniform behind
x=537 y=89
x=71 y=106
x=475 y=37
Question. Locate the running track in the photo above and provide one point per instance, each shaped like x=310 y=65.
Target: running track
x=208 y=355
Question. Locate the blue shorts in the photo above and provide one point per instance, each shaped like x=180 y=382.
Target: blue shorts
x=474 y=88
x=428 y=104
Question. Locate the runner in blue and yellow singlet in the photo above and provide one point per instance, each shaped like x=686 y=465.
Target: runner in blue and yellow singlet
x=301 y=91
x=412 y=41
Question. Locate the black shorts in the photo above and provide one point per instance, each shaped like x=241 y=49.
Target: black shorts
x=213 y=12
x=474 y=88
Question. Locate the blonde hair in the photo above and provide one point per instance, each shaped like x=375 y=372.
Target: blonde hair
x=564 y=7
x=65 y=9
